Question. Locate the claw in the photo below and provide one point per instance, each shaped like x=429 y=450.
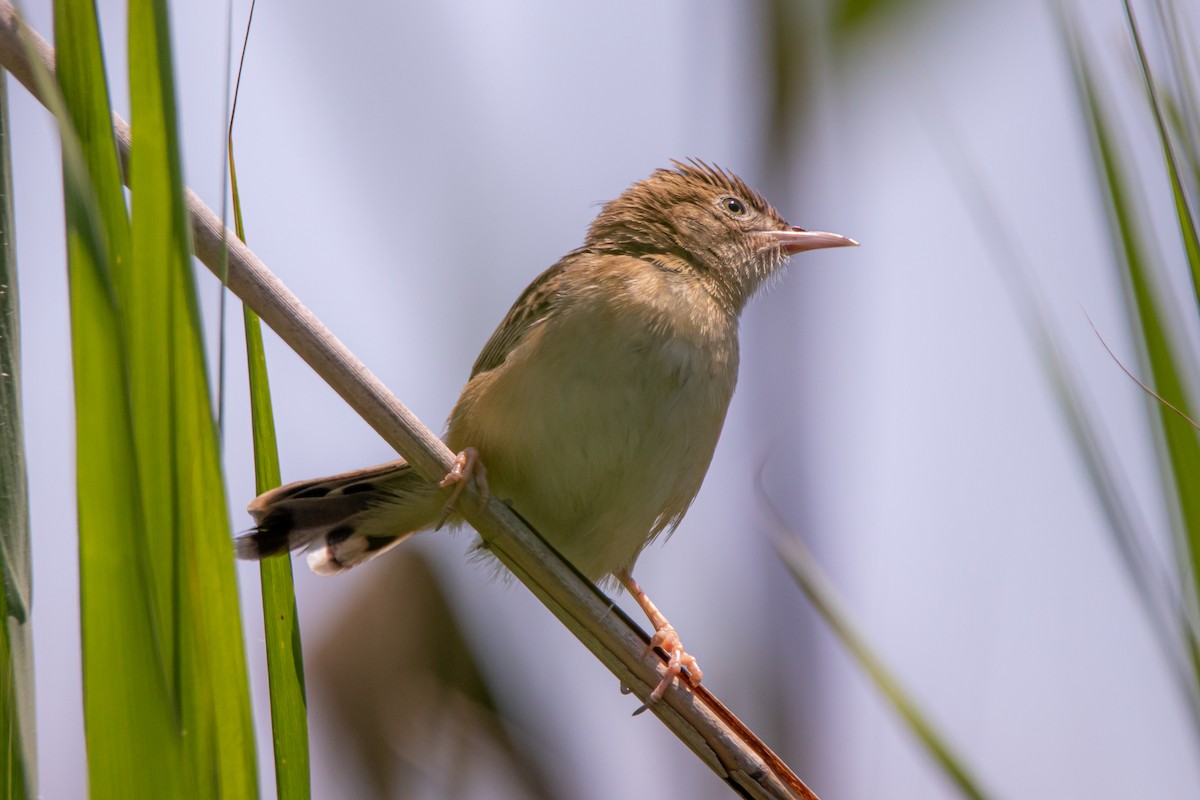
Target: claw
x=680 y=664
x=467 y=466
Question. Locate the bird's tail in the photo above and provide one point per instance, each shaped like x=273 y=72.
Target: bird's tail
x=342 y=520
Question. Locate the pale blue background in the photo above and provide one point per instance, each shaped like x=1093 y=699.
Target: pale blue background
x=408 y=168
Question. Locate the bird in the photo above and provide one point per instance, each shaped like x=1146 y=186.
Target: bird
x=595 y=407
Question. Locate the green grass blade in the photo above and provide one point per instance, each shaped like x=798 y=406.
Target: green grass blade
x=83 y=82
x=1183 y=212
x=147 y=289
x=131 y=727
x=1185 y=102
x=177 y=441
x=1110 y=485
x=18 y=761
x=804 y=569
x=1150 y=320
x=281 y=622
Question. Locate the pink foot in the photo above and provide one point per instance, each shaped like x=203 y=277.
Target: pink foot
x=666 y=639
x=467 y=467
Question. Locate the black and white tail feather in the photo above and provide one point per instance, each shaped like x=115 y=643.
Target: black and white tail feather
x=344 y=520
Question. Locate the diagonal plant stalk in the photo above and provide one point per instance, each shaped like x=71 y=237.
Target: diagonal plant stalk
x=697 y=718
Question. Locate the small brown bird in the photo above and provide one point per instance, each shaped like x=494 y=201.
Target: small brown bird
x=597 y=403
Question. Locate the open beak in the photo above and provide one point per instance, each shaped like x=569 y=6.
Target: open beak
x=798 y=240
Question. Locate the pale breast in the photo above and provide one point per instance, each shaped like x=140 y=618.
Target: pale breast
x=600 y=424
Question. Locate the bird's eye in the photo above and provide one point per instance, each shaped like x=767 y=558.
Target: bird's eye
x=733 y=206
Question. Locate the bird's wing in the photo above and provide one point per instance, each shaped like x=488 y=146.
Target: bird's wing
x=533 y=306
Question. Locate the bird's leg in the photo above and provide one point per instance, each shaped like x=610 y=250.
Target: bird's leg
x=467 y=466
x=664 y=638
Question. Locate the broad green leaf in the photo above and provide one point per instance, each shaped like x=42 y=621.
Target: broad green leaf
x=176 y=438
x=131 y=724
x=84 y=87
x=18 y=762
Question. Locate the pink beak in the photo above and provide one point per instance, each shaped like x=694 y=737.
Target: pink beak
x=798 y=240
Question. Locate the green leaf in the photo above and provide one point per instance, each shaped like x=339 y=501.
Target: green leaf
x=1106 y=474
x=131 y=725
x=1151 y=322
x=1163 y=355
x=1183 y=103
x=18 y=761
x=166 y=701
x=1183 y=213
x=281 y=622
x=176 y=437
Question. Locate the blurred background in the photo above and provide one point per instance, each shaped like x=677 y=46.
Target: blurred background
x=408 y=168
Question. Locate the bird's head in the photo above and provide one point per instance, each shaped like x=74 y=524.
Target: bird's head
x=700 y=218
